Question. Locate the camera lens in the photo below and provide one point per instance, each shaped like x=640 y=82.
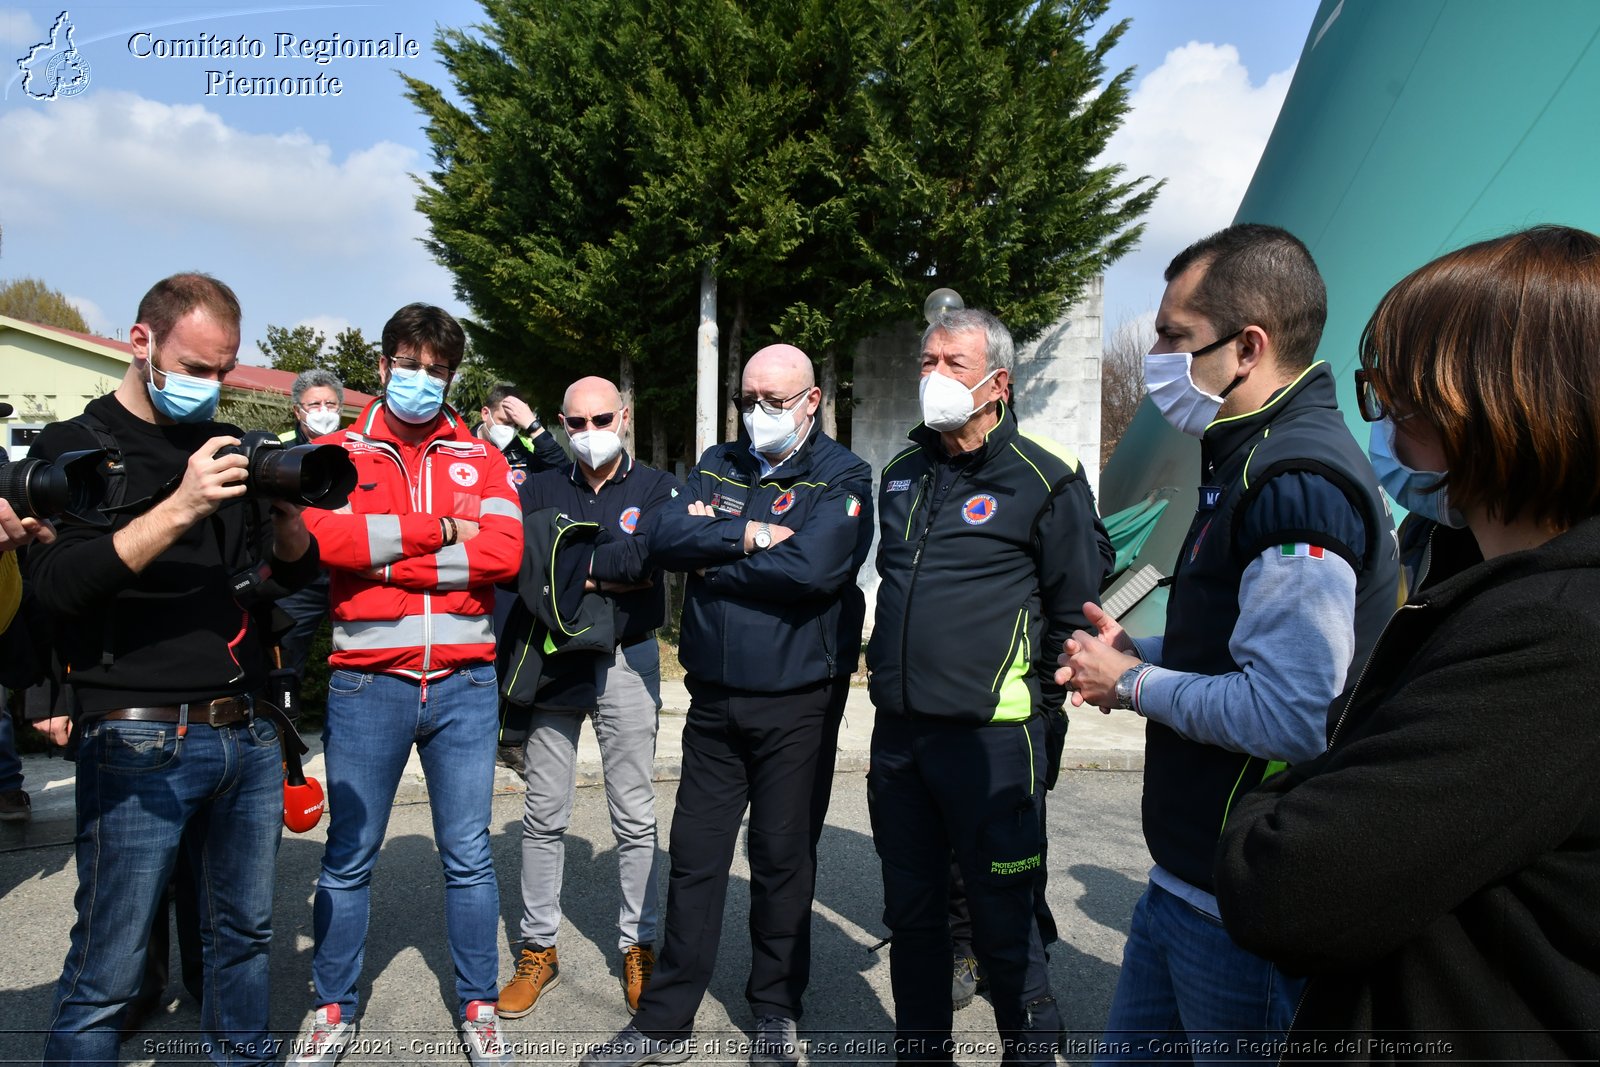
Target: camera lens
x=39 y=489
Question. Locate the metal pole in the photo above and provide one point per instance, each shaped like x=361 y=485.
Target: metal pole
x=705 y=375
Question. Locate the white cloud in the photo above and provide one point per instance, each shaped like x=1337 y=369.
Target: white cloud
x=19 y=29
x=330 y=326
x=182 y=164
x=1198 y=122
x=99 y=322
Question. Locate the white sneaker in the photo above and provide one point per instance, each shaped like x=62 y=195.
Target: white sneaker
x=480 y=1031
x=325 y=1039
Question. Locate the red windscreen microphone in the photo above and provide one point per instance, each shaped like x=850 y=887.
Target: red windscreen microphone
x=302 y=797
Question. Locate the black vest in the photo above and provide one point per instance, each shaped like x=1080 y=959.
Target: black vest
x=1189 y=787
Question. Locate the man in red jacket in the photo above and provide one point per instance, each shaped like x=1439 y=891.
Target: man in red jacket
x=433 y=524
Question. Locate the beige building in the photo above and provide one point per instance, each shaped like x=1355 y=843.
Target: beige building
x=51 y=373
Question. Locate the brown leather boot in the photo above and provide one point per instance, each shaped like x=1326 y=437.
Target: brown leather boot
x=638 y=963
x=537 y=971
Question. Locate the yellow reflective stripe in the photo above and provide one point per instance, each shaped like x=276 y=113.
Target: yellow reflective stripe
x=1030 y=463
x=720 y=478
x=1015 y=703
x=1282 y=394
x=908 y=452
x=1252 y=455
x=1054 y=447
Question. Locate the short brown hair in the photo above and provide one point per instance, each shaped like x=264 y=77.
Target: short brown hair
x=419 y=326
x=1496 y=346
x=172 y=298
x=1262 y=276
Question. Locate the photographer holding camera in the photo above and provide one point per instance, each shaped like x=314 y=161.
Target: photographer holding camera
x=157 y=622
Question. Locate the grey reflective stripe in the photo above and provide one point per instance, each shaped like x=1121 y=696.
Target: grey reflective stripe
x=412 y=632
x=383 y=539
x=493 y=505
x=453 y=568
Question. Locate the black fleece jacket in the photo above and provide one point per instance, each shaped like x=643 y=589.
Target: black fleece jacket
x=1437 y=871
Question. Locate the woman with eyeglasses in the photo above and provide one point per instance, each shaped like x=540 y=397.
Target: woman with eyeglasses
x=1437 y=871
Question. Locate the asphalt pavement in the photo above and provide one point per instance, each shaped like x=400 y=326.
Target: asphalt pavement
x=1097 y=864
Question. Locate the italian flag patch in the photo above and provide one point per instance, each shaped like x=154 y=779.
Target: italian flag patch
x=1314 y=551
x=852 y=505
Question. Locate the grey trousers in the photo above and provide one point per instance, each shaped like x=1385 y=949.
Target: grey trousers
x=625 y=725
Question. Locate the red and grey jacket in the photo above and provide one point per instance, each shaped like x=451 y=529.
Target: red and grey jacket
x=404 y=602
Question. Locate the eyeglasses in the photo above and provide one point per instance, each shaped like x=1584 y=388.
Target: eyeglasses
x=576 y=423
x=321 y=405
x=437 y=371
x=747 y=402
x=1370 y=406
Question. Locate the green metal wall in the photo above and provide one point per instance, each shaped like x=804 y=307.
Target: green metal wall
x=1411 y=127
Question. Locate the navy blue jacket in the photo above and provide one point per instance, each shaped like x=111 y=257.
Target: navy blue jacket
x=781 y=618
x=985 y=561
x=622 y=507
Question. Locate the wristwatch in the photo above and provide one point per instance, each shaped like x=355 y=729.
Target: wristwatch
x=1127 y=684
x=763 y=537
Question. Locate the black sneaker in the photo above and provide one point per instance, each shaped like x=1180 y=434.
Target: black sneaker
x=630 y=1048
x=776 y=1043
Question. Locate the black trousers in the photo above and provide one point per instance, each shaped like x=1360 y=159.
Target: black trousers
x=740 y=749
x=960 y=916
x=937 y=787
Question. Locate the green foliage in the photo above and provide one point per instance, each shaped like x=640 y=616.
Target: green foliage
x=474 y=379
x=255 y=411
x=31 y=300
x=835 y=160
x=353 y=359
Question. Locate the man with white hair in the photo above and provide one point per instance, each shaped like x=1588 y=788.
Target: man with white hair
x=989 y=547
x=777 y=524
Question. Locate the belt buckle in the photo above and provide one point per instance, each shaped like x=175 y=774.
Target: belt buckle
x=229 y=709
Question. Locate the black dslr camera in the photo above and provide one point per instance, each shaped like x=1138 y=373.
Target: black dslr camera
x=312 y=476
x=73 y=487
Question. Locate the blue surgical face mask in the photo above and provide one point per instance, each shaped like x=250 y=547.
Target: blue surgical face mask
x=1411 y=489
x=413 y=396
x=184 y=398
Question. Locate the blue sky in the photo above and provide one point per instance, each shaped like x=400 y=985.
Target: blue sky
x=305 y=205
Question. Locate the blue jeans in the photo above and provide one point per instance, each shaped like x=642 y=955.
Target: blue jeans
x=373 y=720
x=139 y=787
x=1188 y=994
x=10 y=763
x=307 y=607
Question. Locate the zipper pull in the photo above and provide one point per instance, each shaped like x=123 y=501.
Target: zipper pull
x=424 y=688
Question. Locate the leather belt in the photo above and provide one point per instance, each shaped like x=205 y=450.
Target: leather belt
x=224 y=711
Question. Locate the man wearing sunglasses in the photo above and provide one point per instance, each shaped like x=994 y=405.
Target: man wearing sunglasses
x=775 y=527
x=605 y=485
x=514 y=427
x=432 y=526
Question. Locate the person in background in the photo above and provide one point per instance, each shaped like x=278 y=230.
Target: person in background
x=514 y=428
x=318 y=399
x=15 y=533
x=1435 y=872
